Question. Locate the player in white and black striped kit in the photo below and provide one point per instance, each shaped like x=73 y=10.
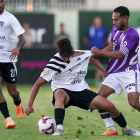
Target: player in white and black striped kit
x=11 y=40
x=67 y=70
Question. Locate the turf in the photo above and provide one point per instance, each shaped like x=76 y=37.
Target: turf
x=78 y=124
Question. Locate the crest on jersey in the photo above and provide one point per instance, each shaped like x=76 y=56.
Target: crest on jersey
x=1 y=23
x=121 y=37
x=45 y=71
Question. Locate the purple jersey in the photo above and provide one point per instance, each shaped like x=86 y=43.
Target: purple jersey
x=127 y=42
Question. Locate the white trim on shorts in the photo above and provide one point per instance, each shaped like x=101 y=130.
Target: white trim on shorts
x=15 y=67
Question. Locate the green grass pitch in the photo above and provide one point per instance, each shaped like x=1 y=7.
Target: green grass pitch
x=89 y=127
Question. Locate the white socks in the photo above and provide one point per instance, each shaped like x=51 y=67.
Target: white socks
x=60 y=126
x=125 y=128
x=109 y=123
x=8 y=118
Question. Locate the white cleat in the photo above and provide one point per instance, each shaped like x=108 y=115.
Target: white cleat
x=131 y=131
x=58 y=132
x=90 y=110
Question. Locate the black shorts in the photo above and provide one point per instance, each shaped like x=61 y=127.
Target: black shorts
x=80 y=99
x=8 y=72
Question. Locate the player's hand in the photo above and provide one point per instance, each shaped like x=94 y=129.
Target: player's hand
x=14 y=54
x=95 y=51
x=29 y=110
x=105 y=74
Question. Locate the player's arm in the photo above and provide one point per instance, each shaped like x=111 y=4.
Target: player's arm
x=108 y=48
x=21 y=41
x=109 y=54
x=33 y=94
x=98 y=66
x=15 y=51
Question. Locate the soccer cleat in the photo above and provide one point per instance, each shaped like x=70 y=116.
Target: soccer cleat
x=19 y=111
x=110 y=132
x=9 y=124
x=131 y=131
x=90 y=110
x=58 y=132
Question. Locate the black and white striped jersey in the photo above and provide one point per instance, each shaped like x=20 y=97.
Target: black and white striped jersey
x=69 y=75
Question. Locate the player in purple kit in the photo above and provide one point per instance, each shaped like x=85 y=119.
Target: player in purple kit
x=123 y=66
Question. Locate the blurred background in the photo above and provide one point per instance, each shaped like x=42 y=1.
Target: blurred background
x=85 y=22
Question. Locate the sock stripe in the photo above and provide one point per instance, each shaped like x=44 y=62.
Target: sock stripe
x=105 y=115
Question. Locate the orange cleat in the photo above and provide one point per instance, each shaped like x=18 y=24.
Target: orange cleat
x=19 y=111
x=9 y=124
x=110 y=132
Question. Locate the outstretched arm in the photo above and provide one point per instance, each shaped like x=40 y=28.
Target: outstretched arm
x=98 y=66
x=33 y=94
x=108 y=48
x=107 y=53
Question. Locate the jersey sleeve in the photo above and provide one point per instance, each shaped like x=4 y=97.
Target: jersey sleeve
x=128 y=43
x=53 y=67
x=48 y=74
x=15 y=25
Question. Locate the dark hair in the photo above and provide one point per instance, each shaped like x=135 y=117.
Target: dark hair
x=64 y=47
x=122 y=10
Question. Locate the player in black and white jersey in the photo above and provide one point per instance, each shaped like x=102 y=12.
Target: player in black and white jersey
x=67 y=70
x=11 y=40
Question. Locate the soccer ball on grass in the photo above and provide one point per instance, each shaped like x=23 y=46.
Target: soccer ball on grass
x=47 y=125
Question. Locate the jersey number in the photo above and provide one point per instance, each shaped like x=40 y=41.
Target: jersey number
x=132 y=62
x=13 y=73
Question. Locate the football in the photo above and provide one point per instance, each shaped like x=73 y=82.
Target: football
x=47 y=125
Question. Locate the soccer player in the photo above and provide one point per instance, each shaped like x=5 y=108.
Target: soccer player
x=11 y=40
x=67 y=70
x=123 y=66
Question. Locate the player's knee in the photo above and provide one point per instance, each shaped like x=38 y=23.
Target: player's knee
x=102 y=93
x=59 y=95
x=110 y=107
x=17 y=92
x=133 y=104
x=14 y=93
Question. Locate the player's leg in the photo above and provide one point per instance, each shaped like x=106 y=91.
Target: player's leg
x=4 y=109
x=131 y=88
x=14 y=93
x=105 y=91
x=10 y=77
x=133 y=99
x=61 y=98
x=110 y=85
x=101 y=103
